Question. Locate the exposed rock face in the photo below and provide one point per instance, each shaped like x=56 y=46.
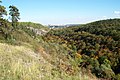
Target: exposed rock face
x=38 y=31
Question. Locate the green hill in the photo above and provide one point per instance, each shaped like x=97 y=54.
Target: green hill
x=95 y=46
x=110 y=27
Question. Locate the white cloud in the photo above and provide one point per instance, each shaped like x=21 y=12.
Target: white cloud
x=117 y=12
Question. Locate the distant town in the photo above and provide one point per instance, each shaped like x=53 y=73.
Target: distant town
x=62 y=26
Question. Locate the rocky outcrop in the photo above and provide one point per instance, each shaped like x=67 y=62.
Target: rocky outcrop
x=38 y=31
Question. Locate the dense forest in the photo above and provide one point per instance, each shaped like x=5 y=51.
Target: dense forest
x=95 y=45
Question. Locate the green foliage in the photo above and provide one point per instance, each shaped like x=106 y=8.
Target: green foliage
x=14 y=13
x=5 y=29
x=117 y=77
x=108 y=27
x=33 y=28
x=2 y=11
x=31 y=24
x=98 y=43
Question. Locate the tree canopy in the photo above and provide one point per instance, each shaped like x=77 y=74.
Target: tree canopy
x=2 y=10
x=97 y=44
x=14 y=13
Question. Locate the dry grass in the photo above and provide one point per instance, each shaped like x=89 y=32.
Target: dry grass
x=22 y=63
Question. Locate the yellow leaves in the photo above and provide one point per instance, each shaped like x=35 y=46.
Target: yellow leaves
x=64 y=45
x=96 y=57
x=78 y=55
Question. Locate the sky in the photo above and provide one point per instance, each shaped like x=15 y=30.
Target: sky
x=61 y=12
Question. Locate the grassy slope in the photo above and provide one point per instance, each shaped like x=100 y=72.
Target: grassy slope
x=22 y=63
x=35 y=59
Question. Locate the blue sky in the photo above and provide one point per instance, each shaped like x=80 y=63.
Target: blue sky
x=65 y=11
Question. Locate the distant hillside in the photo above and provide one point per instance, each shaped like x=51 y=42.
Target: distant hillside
x=96 y=46
x=31 y=24
x=110 y=27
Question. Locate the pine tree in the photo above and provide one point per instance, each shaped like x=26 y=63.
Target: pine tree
x=14 y=13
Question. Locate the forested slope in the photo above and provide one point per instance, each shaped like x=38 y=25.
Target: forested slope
x=96 y=46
